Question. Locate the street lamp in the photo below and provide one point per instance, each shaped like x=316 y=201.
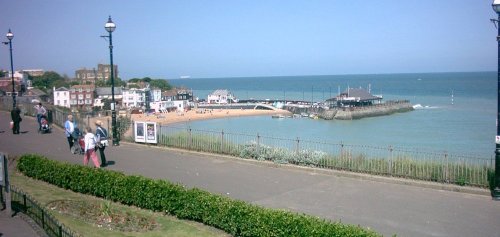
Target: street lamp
x=110 y=27
x=10 y=36
x=496 y=189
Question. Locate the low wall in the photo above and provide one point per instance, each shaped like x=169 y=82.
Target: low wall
x=372 y=111
x=386 y=108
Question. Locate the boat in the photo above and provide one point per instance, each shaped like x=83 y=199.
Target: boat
x=185 y=77
x=279 y=116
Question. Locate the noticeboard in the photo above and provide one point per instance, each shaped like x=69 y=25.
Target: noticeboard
x=145 y=132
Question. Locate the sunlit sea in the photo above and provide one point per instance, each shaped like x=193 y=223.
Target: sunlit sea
x=456 y=112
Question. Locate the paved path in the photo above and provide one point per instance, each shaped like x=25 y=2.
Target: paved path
x=387 y=208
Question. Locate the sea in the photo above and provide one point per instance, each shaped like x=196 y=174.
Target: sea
x=454 y=112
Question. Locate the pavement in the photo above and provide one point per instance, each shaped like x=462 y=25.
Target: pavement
x=405 y=208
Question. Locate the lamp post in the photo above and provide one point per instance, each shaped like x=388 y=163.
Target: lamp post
x=496 y=190
x=110 y=27
x=10 y=36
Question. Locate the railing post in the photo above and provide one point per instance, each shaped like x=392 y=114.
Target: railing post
x=222 y=141
x=445 y=168
x=190 y=137
x=43 y=219
x=297 y=148
x=258 y=145
x=25 y=206
x=390 y=160
x=60 y=230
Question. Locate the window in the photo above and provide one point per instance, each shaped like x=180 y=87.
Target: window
x=80 y=90
x=58 y=102
x=57 y=93
x=80 y=96
x=88 y=89
x=87 y=96
x=73 y=96
x=65 y=102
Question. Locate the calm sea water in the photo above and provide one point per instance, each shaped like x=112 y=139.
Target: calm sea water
x=458 y=111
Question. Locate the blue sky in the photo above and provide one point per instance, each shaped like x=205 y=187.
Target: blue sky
x=168 y=39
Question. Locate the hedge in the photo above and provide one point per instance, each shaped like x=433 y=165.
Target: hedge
x=232 y=216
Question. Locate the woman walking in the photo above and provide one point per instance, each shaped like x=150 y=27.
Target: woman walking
x=90 y=142
x=69 y=128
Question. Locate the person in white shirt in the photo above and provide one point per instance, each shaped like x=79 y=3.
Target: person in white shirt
x=90 y=142
x=69 y=128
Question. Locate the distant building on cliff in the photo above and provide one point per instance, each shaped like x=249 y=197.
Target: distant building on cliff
x=90 y=76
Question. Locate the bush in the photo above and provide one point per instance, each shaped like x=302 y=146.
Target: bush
x=235 y=217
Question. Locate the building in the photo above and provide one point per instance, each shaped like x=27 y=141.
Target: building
x=82 y=96
x=104 y=93
x=133 y=98
x=20 y=83
x=34 y=72
x=353 y=97
x=90 y=76
x=61 y=97
x=221 y=97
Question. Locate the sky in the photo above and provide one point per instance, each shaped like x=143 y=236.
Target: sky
x=243 y=38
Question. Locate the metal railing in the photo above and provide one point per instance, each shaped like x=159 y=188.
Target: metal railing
x=58 y=116
x=388 y=161
x=22 y=202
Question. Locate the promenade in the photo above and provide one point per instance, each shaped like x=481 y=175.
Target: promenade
x=388 y=208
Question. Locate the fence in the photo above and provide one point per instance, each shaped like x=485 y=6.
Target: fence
x=58 y=116
x=389 y=161
x=21 y=202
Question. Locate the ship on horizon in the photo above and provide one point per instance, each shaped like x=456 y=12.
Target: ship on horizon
x=185 y=77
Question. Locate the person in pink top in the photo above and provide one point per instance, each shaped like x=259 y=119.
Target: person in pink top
x=90 y=142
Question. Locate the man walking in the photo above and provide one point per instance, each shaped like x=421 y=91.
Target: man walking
x=102 y=141
x=15 y=115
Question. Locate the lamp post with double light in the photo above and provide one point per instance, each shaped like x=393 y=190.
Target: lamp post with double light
x=496 y=189
x=10 y=36
x=110 y=27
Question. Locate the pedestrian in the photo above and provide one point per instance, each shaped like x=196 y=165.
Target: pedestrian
x=102 y=141
x=90 y=142
x=69 y=128
x=15 y=115
x=40 y=112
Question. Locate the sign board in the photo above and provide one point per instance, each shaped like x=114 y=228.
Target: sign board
x=497 y=139
x=146 y=132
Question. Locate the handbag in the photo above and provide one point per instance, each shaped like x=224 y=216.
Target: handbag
x=103 y=143
x=11 y=124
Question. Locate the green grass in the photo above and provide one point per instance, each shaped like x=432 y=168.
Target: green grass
x=168 y=226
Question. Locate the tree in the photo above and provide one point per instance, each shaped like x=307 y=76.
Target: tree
x=47 y=80
x=160 y=83
x=2 y=73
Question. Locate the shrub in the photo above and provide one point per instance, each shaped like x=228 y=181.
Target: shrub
x=235 y=217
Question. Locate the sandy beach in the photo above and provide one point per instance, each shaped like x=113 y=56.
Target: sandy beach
x=192 y=115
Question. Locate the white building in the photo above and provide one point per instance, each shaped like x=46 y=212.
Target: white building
x=133 y=98
x=221 y=97
x=163 y=106
x=61 y=97
x=155 y=95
